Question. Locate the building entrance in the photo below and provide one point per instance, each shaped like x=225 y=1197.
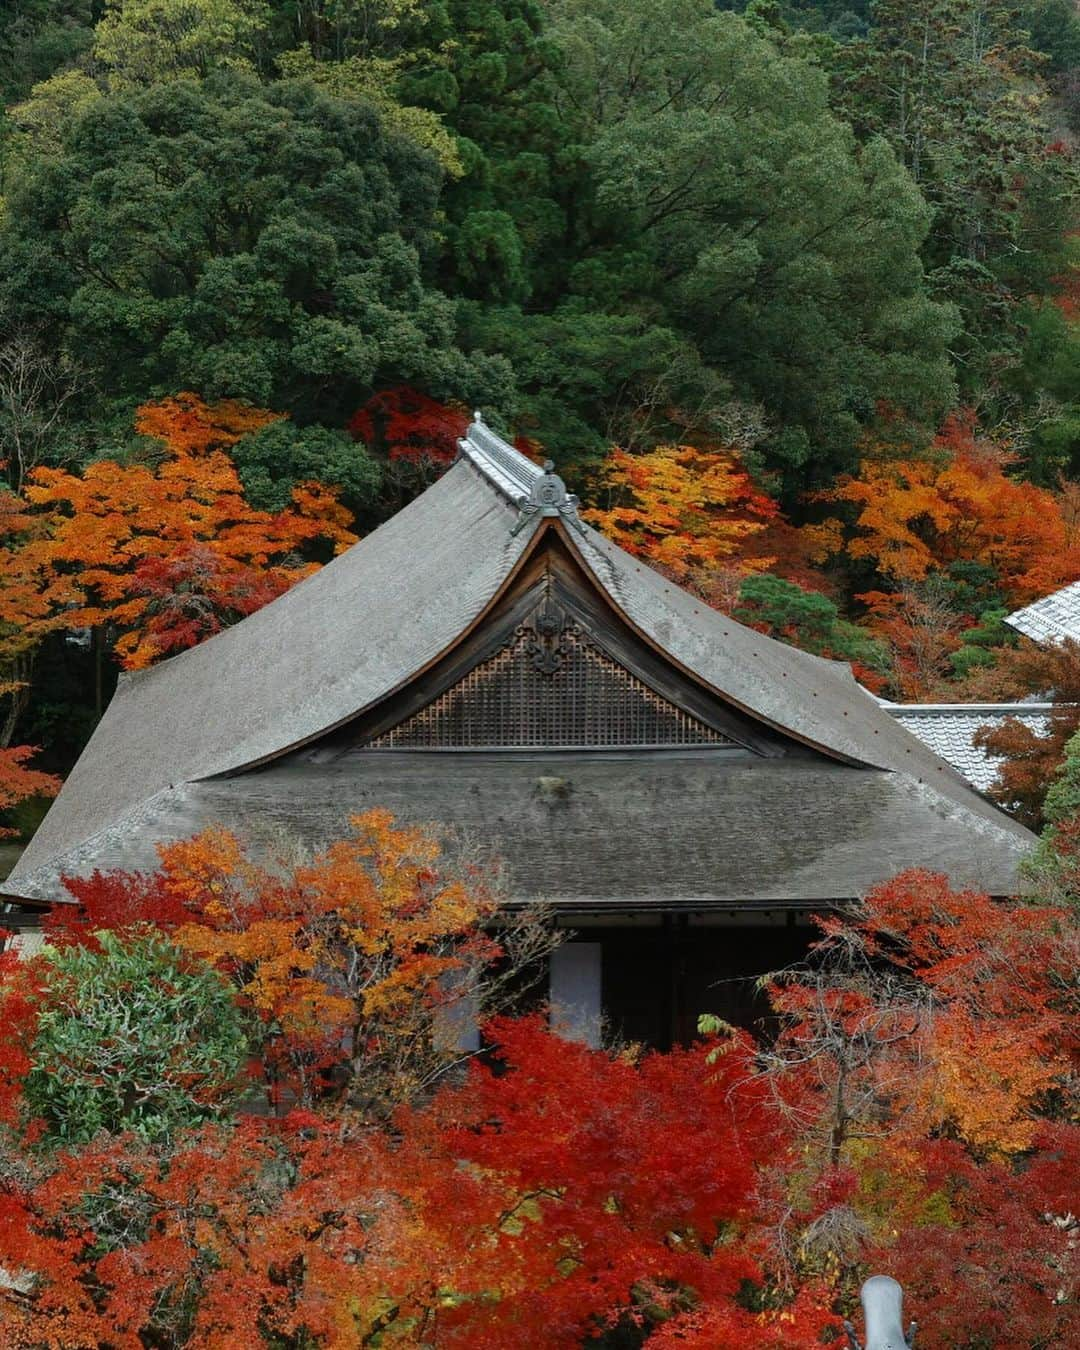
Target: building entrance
x=650 y=982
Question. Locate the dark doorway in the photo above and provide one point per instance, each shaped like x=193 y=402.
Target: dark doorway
x=658 y=981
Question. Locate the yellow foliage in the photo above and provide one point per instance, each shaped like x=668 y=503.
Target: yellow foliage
x=689 y=511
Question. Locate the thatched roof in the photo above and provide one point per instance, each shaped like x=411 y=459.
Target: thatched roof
x=384 y=611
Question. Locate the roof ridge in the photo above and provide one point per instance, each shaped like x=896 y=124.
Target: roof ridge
x=505 y=467
x=1052 y=617
x=897 y=709
x=535 y=491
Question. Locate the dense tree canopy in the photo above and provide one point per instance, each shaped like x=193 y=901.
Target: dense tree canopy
x=244 y=241
x=750 y=217
x=913 y=1103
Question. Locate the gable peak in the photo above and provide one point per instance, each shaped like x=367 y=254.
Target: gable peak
x=537 y=491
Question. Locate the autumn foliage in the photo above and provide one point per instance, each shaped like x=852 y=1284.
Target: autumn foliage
x=958 y=503
x=346 y=961
x=19 y=780
x=1029 y=759
x=410 y=426
x=915 y=1103
x=685 y=510
x=962 y=1008
x=169 y=552
x=927 y=1059
x=537 y=1204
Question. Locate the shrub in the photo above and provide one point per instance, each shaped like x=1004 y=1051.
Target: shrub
x=133 y=1035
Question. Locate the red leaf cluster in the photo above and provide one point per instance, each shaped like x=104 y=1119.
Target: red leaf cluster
x=408 y=425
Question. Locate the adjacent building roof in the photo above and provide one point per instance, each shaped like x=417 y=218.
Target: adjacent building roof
x=386 y=610
x=1053 y=618
x=949 y=730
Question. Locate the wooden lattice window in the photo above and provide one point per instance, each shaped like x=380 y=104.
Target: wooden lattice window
x=549 y=686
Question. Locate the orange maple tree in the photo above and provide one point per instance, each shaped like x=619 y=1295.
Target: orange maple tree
x=686 y=510
x=351 y=958
x=18 y=781
x=169 y=552
x=188 y=425
x=31 y=600
x=916 y=516
x=953 y=1008
x=1028 y=759
x=926 y=1059
x=920 y=630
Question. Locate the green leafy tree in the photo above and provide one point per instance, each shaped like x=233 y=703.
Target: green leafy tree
x=1063 y=795
x=982 y=642
x=490 y=75
x=150 y=41
x=1054 y=865
x=749 y=217
x=374 y=80
x=840 y=19
x=134 y=1035
x=587 y=378
x=135 y=44
x=956 y=89
x=37 y=38
x=1053 y=28
x=1045 y=381
x=259 y=243
x=807 y=619
x=272 y=460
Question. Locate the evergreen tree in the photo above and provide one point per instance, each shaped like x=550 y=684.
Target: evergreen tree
x=956 y=89
x=735 y=207
x=264 y=243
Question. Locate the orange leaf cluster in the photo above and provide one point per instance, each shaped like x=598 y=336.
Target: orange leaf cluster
x=18 y=781
x=189 y=426
x=979 y=1028
x=171 y=552
x=916 y=516
x=34 y=597
x=687 y=511
x=349 y=956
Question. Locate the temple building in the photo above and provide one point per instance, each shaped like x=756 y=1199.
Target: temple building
x=682 y=790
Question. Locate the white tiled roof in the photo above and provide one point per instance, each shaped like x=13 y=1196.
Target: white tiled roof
x=949 y=730
x=1051 y=619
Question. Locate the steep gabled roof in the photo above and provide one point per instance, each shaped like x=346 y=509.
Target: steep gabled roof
x=1053 y=618
x=385 y=610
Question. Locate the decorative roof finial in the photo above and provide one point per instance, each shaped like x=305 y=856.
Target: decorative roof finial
x=548 y=497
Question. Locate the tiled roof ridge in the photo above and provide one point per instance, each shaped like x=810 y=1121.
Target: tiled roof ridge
x=536 y=492
x=916 y=708
x=1054 y=616
x=501 y=464
x=948 y=729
